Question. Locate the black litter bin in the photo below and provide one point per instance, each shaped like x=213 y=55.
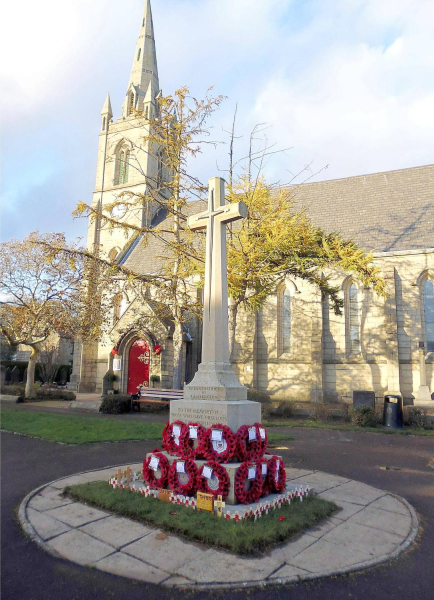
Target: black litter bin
x=392 y=411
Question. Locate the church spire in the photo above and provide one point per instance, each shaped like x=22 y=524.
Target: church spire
x=144 y=72
x=106 y=113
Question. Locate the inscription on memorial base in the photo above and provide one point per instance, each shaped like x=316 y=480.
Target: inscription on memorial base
x=208 y=412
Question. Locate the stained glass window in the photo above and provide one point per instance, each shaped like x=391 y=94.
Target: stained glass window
x=428 y=305
x=286 y=321
x=353 y=319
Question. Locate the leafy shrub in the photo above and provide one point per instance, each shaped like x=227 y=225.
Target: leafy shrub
x=322 y=411
x=417 y=418
x=154 y=378
x=364 y=416
x=14 y=389
x=284 y=409
x=260 y=396
x=115 y=404
x=20 y=400
x=54 y=394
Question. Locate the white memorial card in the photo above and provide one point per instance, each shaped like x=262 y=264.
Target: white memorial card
x=180 y=466
x=277 y=465
x=153 y=463
x=193 y=432
x=176 y=431
x=216 y=435
x=252 y=433
x=264 y=468
x=207 y=472
x=252 y=473
x=262 y=433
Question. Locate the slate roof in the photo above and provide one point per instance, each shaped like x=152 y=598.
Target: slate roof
x=382 y=212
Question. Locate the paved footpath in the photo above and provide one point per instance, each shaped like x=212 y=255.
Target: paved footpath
x=394 y=463
x=372 y=527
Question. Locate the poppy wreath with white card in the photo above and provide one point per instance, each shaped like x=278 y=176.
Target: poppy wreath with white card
x=156 y=470
x=220 y=443
x=248 y=482
x=249 y=446
x=214 y=479
x=192 y=441
x=276 y=479
x=171 y=437
x=183 y=477
x=263 y=462
x=261 y=432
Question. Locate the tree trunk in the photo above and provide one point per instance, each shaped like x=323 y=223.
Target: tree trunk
x=177 y=356
x=30 y=383
x=233 y=311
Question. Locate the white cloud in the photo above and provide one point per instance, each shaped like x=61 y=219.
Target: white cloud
x=346 y=82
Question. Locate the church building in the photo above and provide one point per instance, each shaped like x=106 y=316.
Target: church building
x=294 y=348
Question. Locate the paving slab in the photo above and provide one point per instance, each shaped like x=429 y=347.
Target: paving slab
x=76 y=514
x=383 y=520
x=46 y=527
x=116 y=531
x=355 y=536
x=43 y=503
x=127 y=566
x=326 y=557
x=79 y=547
x=363 y=533
x=391 y=504
x=355 y=492
x=215 y=566
x=172 y=552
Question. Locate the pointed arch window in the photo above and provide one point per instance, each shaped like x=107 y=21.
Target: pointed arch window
x=352 y=318
x=284 y=321
x=119 y=307
x=139 y=53
x=123 y=169
x=428 y=313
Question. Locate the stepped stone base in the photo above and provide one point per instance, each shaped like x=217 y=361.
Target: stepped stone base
x=210 y=412
x=231 y=469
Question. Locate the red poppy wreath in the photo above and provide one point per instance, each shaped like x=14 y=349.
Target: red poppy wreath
x=171 y=436
x=151 y=465
x=263 y=462
x=183 y=477
x=248 y=474
x=192 y=441
x=220 y=443
x=249 y=446
x=214 y=479
x=276 y=478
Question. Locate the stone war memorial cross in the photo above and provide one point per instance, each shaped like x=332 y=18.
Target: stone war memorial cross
x=215 y=395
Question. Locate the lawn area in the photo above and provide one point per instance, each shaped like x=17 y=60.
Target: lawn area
x=70 y=429
x=246 y=537
x=293 y=423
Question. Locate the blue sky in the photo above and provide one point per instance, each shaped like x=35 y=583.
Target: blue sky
x=347 y=84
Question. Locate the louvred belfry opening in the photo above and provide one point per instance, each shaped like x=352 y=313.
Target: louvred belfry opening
x=138 y=366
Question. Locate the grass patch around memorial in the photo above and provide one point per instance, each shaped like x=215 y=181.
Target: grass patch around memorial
x=247 y=537
x=294 y=423
x=69 y=429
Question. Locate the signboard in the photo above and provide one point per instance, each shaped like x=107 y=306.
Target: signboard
x=205 y=502
x=164 y=495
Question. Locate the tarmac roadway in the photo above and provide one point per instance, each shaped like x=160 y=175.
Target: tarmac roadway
x=398 y=464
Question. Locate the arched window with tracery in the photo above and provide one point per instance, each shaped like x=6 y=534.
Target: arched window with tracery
x=284 y=321
x=120 y=305
x=352 y=318
x=123 y=169
x=428 y=313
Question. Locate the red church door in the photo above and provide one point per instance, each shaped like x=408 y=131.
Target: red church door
x=138 y=366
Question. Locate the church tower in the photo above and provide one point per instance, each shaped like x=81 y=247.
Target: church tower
x=125 y=165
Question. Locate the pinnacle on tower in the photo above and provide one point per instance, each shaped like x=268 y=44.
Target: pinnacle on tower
x=106 y=113
x=144 y=70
